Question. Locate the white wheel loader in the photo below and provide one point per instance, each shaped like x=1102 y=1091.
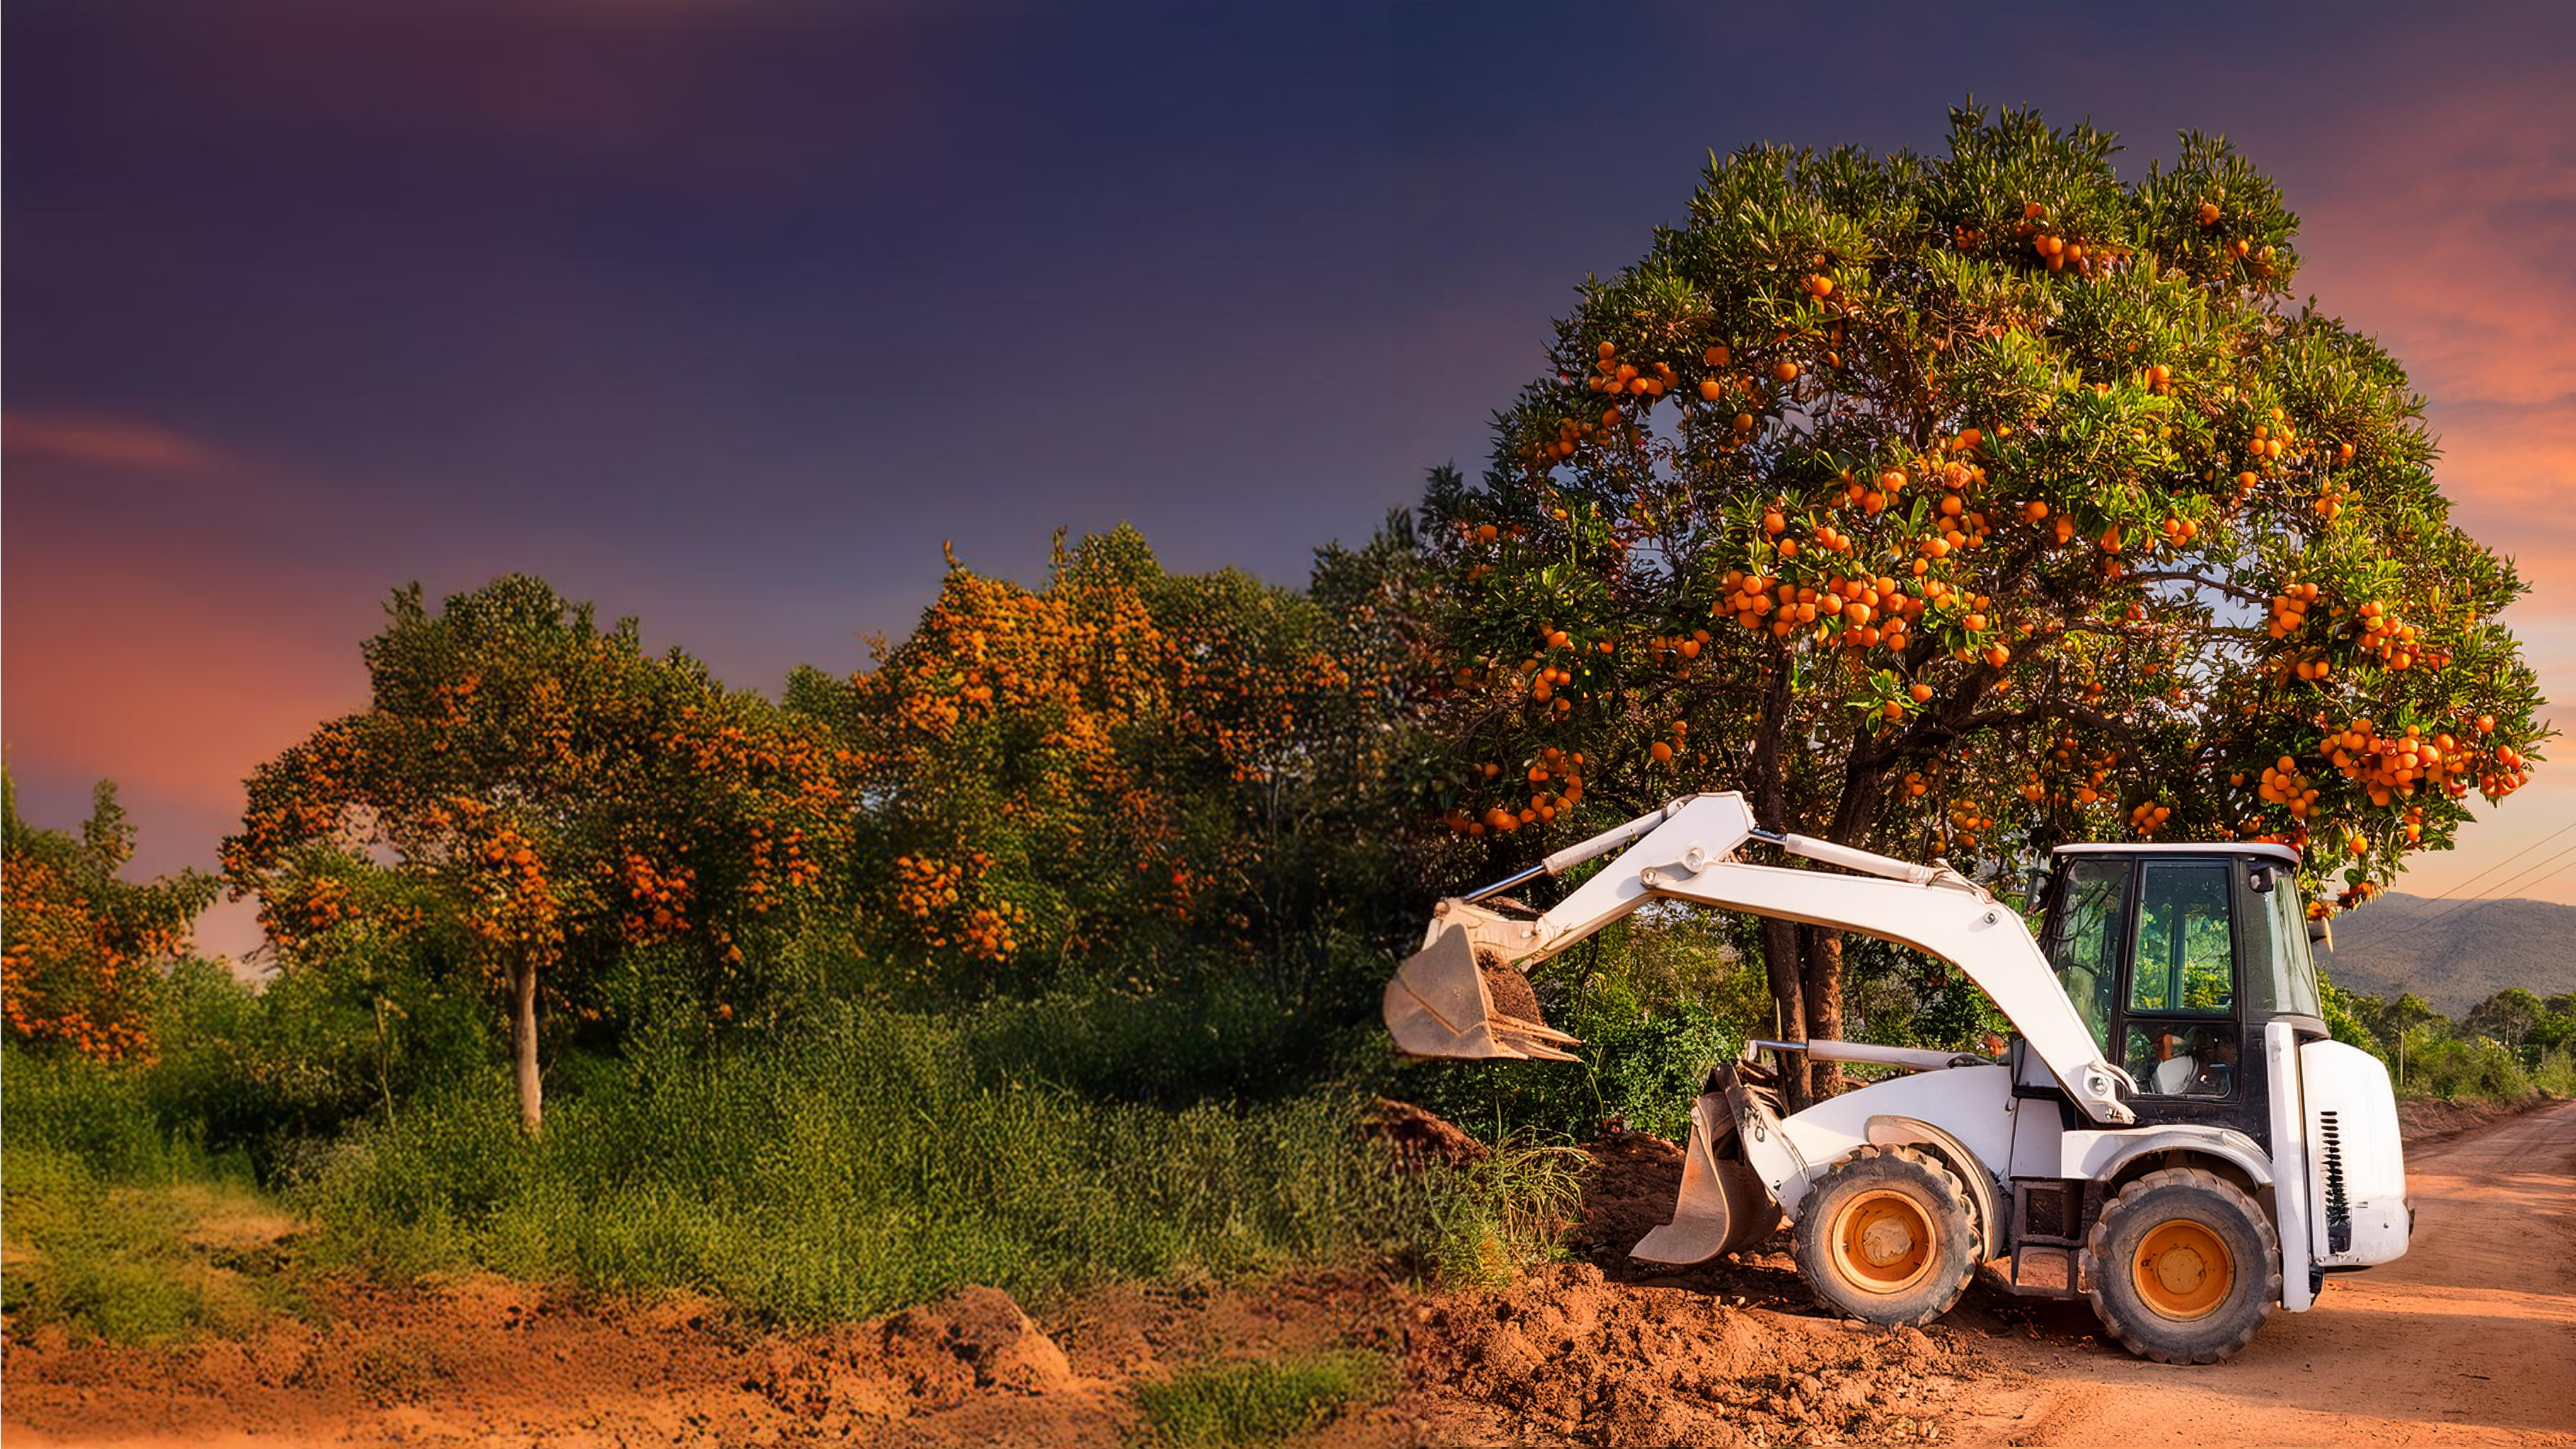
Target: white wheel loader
x=2170 y=1133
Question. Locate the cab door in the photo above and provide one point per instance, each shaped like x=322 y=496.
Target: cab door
x=2178 y=1023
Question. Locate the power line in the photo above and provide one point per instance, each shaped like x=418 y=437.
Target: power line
x=2508 y=860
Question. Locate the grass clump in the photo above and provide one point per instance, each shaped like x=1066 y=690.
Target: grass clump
x=1504 y=1212
x=1260 y=1401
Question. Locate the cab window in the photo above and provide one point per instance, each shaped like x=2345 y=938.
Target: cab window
x=2186 y=959
x=2170 y=1059
x=2092 y=924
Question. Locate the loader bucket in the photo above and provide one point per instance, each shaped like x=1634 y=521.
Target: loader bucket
x=1441 y=1004
x=1723 y=1205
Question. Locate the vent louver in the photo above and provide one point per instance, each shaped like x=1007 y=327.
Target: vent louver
x=2338 y=1203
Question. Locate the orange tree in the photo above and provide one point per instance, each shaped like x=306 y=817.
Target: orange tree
x=1932 y=501
x=1108 y=773
x=79 y=947
x=559 y=797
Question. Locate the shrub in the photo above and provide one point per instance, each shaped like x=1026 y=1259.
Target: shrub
x=107 y=1215
x=1503 y=1212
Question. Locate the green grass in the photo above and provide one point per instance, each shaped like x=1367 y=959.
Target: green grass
x=1260 y=1401
x=111 y=1230
x=866 y=1164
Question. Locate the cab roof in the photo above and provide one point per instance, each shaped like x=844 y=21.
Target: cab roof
x=2215 y=847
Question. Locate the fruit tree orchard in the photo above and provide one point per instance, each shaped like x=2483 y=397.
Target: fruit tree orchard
x=559 y=795
x=1935 y=502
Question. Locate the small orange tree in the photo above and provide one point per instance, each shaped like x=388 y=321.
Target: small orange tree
x=1093 y=774
x=562 y=796
x=79 y=947
x=1931 y=501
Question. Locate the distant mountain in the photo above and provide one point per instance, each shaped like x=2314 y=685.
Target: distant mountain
x=2454 y=955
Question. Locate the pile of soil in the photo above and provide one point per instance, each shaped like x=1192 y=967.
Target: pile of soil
x=1574 y=1356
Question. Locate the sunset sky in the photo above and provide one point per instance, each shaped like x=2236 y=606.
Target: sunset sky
x=725 y=315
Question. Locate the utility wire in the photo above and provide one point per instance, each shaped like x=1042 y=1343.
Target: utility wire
x=2501 y=864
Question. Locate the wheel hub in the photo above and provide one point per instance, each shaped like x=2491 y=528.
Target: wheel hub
x=2182 y=1270
x=1882 y=1242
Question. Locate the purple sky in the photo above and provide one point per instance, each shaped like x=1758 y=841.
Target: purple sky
x=726 y=315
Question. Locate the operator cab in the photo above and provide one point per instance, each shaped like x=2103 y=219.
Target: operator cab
x=2176 y=956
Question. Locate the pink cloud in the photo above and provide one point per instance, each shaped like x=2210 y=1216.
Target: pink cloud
x=100 y=441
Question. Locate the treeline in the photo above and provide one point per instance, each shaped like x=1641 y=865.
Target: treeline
x=2508 y=1045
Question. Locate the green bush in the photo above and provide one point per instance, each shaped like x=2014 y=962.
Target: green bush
x=858 y=1165
x=2556 y=1074
x=270 y=1070
x=2433 y=1065
x=1257 y=1401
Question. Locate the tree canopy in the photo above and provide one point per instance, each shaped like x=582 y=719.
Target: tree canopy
x=1938 y=501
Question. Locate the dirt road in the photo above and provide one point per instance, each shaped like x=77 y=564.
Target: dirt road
x=2468 y=1339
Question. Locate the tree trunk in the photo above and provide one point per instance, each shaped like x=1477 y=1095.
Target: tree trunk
x=523 y=1046
x=1821 y=954
x=1766 y=780
x=1780 y=964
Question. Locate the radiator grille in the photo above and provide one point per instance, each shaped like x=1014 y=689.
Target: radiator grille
x=2338 y=1203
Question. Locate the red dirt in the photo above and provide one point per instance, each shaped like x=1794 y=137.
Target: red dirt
x=2470 y=1339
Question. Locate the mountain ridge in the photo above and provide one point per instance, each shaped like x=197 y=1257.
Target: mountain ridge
x=2454 y=954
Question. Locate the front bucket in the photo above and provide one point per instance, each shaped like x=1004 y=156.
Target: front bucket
x=1722 y=1206
x=1440 y=1005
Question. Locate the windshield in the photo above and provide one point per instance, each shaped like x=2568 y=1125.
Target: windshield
x=2284 y=974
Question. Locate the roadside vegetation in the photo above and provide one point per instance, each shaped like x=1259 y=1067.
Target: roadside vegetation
x=1925 y=500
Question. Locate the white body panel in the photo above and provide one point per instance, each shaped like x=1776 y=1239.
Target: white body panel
x=1973 y=1104
x=2094 y=1156
x=2355 y=1156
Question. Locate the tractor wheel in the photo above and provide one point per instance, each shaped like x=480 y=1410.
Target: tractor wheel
x=2182 y=1267
x=1886 y=1237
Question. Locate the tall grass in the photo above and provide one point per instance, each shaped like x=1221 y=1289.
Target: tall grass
x=863 y=1164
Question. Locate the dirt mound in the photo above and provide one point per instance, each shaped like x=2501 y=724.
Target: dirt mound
x=2423 y=1121
x=1572 y=1354
x=1417 y=1139
x=924 y=1360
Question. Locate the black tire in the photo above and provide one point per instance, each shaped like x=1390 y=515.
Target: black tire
x=2151 y=1267
x=1886 y=1236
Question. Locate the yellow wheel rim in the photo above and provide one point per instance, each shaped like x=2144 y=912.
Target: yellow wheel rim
x=2182 y=1270
x=1882 y=1242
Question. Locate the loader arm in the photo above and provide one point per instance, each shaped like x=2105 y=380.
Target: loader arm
x=1686 y=851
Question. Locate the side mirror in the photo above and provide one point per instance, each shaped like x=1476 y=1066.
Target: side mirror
x=2321 y=931
x=2263 y=880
